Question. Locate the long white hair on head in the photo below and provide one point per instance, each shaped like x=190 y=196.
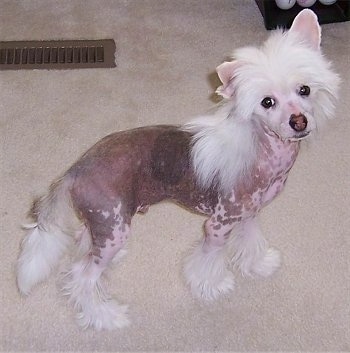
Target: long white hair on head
x=223 y=148
x=224 y=144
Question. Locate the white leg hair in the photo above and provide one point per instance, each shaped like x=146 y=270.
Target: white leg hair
x=206 y=268
x=83 y=285
x=206 y=273
x=252 y=254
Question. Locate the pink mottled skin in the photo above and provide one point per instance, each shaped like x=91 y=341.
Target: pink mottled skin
x=128 y=171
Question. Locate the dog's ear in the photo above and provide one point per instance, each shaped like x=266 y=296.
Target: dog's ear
x=226 y=72
x=306 y=25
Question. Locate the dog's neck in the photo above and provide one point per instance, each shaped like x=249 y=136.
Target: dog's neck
x=274 y=158
x=226 y=151
x=273 y=147
x=269 y=172
x=266 y=176
x=274 y=153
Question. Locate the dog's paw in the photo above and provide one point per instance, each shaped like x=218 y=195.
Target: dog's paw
x=206 y=273
x=106 y=315
x=269 y=264
x=210 y=290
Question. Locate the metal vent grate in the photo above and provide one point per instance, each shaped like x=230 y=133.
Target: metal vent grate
x=54 y=55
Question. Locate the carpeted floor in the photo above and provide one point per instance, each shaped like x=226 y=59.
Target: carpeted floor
x=167 y=52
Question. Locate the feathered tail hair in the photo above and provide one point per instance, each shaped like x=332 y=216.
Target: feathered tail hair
x=47 y=239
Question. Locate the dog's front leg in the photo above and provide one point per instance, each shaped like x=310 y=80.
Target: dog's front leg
x=206 y=268
x=252 y=254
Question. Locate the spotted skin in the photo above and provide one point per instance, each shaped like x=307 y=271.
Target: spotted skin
x=126 y=172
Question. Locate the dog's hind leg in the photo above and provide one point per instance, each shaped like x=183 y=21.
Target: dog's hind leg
x=206 y=268
x=95 y=308
x=252 y=254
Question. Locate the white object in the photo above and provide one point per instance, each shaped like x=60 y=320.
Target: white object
x=285 y=4
x=306 y=3
x=328 y=2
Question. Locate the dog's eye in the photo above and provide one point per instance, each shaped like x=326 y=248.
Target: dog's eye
x=268 y=102
x=304 y=90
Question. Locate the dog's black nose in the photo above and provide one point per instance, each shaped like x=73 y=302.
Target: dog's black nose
x=298 y=122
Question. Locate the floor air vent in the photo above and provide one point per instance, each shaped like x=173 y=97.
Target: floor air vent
x=57 y=55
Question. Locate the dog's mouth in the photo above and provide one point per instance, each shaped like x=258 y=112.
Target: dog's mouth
x=297 y=137
x=300 y=136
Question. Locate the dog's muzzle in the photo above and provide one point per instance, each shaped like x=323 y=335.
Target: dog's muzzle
x=298 y=122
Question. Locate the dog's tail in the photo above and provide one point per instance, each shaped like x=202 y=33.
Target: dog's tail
x=47 y=239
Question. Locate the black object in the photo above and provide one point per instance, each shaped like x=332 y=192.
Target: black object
x=276 y=17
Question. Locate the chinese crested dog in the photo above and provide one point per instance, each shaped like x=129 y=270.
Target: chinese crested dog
x=227 y=166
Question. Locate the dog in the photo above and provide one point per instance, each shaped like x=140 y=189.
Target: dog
x=226 y=165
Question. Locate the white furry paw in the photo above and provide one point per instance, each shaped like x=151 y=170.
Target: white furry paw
x=210 y=290
x=269 y=264
x=106 y=315
x=207 y=275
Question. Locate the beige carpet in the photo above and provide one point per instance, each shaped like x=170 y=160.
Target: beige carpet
x=167 y=53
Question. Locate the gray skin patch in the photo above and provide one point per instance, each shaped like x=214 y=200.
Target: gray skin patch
x=170 y=157
x=133 y=169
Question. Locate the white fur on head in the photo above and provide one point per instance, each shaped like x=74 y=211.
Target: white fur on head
x=225 y=144
x=285 y=60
